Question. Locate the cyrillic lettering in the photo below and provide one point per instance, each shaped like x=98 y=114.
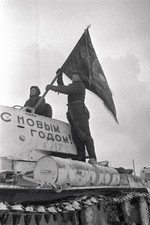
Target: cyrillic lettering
x=46 y=126
x=58 y=137
x=50 y=137
x=39 y=124
x=30 y=122
x=32 y=132
x=41 y=134
x=20 y=119
x=65 y=139
x=56 y=129
x=5 y=116
x=51 y=127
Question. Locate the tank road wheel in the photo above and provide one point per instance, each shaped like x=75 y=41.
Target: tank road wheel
x=89 y=216
x=144 y=212
x=68 y=218
x=126 y=208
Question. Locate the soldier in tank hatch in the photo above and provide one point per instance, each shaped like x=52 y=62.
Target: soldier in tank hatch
x=44 y=108
x=77 y=115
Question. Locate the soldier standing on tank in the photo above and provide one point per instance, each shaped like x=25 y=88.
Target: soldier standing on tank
x=77 y=115
x=44 y=108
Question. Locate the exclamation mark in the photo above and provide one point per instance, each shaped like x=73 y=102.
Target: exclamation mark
x=70 y=138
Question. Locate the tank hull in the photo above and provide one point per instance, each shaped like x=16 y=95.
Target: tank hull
x=42 y=183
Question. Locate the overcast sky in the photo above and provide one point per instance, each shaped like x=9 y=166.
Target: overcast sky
x=36 y=37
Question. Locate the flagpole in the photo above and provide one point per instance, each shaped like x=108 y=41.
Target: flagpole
x=45 y=93
x=86 y=30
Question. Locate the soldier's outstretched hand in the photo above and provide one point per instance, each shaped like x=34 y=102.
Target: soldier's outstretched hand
x=59 y=79
x=51 y=87
x=59 y=72
x=48 y=87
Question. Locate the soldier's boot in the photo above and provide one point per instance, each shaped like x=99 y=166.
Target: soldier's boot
x=91 y=151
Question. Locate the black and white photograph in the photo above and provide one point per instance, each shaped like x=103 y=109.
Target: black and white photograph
x=74 y=112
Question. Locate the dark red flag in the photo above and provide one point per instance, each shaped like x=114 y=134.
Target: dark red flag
x=83 y=59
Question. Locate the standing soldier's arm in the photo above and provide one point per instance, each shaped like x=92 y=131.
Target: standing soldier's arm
x=70 y=89
x=65 y=89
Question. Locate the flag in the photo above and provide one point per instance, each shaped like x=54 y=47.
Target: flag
x=83 y=59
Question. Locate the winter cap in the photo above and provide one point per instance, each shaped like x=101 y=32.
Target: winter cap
x=77 y=72
x=38 y=92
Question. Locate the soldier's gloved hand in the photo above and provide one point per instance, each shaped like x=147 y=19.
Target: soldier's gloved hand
x=59 y=72
x=48 y=87
x=59 y=79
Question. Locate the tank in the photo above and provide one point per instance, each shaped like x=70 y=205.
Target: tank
x=43 y=183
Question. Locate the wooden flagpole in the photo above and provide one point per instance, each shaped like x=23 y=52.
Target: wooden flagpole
x=46 y=91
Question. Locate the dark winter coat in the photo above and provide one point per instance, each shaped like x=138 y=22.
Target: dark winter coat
x=32 y=101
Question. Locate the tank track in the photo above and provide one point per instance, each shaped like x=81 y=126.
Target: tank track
x=84 y=210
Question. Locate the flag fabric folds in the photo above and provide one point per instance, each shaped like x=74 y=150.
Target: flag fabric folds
x=83 y=59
